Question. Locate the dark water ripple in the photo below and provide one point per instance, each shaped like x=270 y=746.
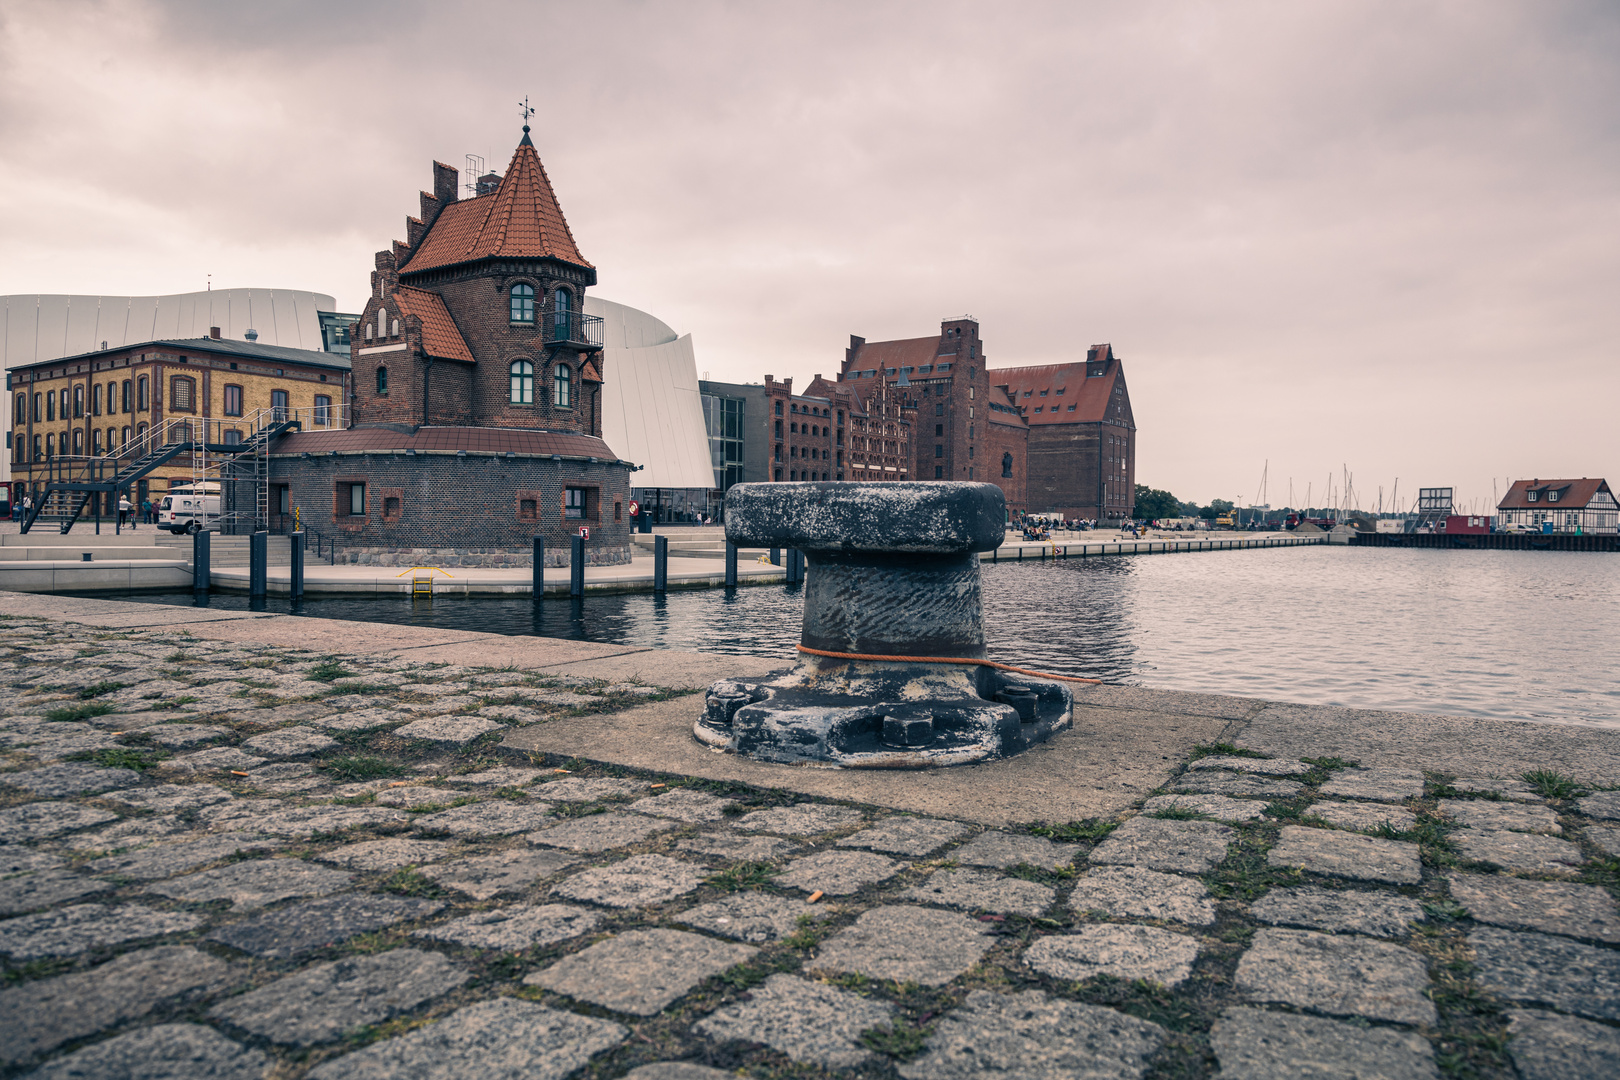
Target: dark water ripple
x=1506 y=634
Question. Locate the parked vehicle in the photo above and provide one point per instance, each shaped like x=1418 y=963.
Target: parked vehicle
x=184 y=511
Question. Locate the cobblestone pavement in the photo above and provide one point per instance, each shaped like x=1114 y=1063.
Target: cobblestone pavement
x=234 y=861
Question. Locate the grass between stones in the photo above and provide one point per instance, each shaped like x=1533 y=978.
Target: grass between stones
x=1223 y=749
x=355 y=767
x=72 y=713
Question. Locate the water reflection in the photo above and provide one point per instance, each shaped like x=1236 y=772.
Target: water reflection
x=1525 y=635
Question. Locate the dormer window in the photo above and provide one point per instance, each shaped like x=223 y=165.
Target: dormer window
x=1529 y=496
x=1552 y=496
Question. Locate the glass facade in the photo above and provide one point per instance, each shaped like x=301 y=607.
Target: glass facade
x=723 y=418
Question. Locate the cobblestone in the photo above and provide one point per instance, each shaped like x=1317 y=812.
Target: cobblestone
x=455 y=731
x=1190 y=846
x=1340 y=976
x=1133 y=892
x=1263 y=766
x=906 y=944
x=485 y=876
x=169 y=798
x=163 y=1052
x=737 y=848
x=1547 y=1046
x=56 y=781
x=979 y=890
x=515 y=928
x=290 y=932
x=42 y=1015
x=68 y=931
x=168 y=859
x=1604 y=804
x=290 y=742
x=1236 y=784
x=805 y=819
x=253 y=884
x=1338 y=911
x=1346 y=855
x=499 y=1039
x=582 y=789
x=497 y=817
x=1120 y=950
x=600 y=832
x=1538 y=969
x=1005 y=850
x=695 y=807
x=1032 y=1035
x=1386 y=785
x=1252 y=1044
x=1481 y=814
x=389 y=854
x=320 y=1003
x=1220 y=807
x=838 y=873
x=807 y=1021
x=1524 y=853
x=755 y=917
x=640 y=972
x=38 y=821
x=1583 y=911
x=44 y=888
x=636 y=882
x=913 y=837
x=1363 y=817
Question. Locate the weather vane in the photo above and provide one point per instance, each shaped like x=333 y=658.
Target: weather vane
x=527 y=112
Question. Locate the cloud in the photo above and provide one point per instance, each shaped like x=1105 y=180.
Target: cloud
x=1374 y=233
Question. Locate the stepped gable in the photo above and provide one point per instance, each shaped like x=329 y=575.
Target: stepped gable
x=521 y=219
x=440 y=336
x=391 y=437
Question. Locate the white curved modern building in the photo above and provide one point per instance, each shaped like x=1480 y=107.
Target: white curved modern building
x=41 y=327
x=652 y=412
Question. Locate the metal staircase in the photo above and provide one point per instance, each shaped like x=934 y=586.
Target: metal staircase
x=73 y=482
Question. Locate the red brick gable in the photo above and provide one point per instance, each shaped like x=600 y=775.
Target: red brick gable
x=521 y=219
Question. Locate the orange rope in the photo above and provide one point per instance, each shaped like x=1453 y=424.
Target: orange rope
x=944 y=660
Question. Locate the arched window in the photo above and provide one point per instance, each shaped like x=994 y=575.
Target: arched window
x=140 y=432
x=1006 y=464
x=382 y=380
x=78 y=401
x=50 y=446
x=522 y=383
x=142 y=400
x=37 y=398
x=125 y=440
x=95 y=443
x=562 y=390
x=19 y=415
x=95 y=400
x=522 y=303
x=560 y=313
x=126 y=395
x=50 y=406
x=78 y=441
x=182 y=393
x=112 y=398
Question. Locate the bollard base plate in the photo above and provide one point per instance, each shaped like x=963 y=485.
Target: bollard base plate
x=883 y=715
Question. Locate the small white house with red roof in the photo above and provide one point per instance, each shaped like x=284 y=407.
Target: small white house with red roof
x=1585 y=506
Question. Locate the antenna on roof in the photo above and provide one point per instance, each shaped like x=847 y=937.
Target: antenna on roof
x=475 y=169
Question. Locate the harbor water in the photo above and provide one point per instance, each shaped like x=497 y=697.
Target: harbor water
x=1503 y=634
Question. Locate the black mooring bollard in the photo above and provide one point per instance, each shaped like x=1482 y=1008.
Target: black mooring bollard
x=202 y=563
x=731 y=565
x=891 y=670
x=660 y=564
x=576 y=567
x=539 y=567
x=295 y=545
x=258 y=564
x=776 y=556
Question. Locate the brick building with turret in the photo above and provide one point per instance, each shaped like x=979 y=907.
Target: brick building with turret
x=477 y=393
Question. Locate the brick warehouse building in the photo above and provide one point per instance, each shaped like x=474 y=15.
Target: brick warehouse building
x=831 y=433
x=477 y=408
x=963 y=426
x=1082 y=435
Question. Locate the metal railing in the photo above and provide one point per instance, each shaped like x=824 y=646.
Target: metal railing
x=567 y=326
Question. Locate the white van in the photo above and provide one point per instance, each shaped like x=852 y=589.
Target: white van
x=181 y=511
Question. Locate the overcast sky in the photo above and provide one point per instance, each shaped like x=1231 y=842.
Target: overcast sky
x=1380 y=236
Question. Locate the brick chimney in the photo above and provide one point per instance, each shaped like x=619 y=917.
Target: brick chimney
x=213 y=332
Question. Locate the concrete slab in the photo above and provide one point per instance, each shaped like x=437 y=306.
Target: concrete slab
x=1110 y=758
x=1461 y=746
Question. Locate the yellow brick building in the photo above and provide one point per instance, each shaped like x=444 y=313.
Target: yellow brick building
x=112 y=402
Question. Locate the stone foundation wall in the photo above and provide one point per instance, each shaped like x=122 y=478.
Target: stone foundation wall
x=450 y=557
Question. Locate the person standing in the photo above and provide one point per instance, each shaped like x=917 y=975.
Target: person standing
x=146 y=510
x=123 y=510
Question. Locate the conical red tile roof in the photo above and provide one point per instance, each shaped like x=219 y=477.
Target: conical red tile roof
x=520 y=219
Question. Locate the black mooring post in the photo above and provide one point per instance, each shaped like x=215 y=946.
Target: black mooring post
x=258 y=564
x=539 y=567
x=660 y=563
x=576 y=567
x=731 y=565
x=202 y=563
x=795 y=566
x=776 y=556
x=296 y=547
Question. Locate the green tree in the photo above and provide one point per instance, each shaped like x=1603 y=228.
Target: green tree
x=1152 y=503
x=1215 y=509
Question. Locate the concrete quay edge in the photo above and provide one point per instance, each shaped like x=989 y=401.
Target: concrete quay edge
x=1126 y=741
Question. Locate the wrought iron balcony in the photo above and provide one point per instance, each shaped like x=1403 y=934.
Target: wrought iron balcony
x=567 y=326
